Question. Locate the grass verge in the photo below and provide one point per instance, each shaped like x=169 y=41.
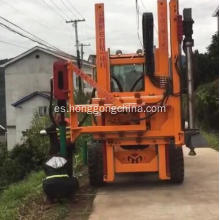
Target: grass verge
x=25 y=201
x=212 y=138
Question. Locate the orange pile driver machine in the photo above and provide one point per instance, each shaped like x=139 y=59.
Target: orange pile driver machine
x=135 y=141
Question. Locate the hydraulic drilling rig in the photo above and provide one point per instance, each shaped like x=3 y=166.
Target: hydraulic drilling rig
x=134 y=141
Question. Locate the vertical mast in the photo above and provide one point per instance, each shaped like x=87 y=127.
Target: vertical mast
x=163 y=38
x=101 y=54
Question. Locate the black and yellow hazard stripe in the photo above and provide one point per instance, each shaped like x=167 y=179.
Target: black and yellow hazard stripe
x=57 y=176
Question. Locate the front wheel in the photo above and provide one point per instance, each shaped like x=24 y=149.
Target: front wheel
x=95 y=164
x=176 y=164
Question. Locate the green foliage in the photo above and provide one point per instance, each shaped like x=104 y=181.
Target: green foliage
x=24 y=158
x=11 y=171
x=80 y=143
x=207 y=105
x=206 y=66
x=25 y=200
x=213 y=54
x=212 y=138
x=38 y=143
x=16 y=194
x=206 y=70
x=3 y=153
x=81 y=98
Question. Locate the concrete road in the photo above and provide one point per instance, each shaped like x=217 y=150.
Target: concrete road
x=144 y=197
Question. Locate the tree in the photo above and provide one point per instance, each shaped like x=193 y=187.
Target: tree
x=207 y=85
x=206 y=64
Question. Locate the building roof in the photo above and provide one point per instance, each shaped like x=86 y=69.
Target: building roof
x=57 y=54
x=4 y=61
x=30 y=96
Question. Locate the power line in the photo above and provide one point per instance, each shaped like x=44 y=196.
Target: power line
x=68 y=9
x=12 y=44
x=52 y=9
x=72 y=6
x=59 y=9
x=137 y=17
x=17 y=26
x=32 y=39
x=145 y=8
x=20 y=12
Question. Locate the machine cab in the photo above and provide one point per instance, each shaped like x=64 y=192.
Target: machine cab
x=127 y=72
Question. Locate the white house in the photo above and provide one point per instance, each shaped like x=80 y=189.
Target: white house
x=27 y=85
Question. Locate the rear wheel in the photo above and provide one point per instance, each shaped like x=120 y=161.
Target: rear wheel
x=95 y=164
x=176 y=164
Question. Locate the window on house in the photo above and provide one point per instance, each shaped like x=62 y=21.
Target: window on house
x=43 y=110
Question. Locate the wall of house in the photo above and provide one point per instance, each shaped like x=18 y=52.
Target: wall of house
x=11 y=137
x=2 y=104
x=29 y=74
x=25 y=113
x=2 y=101
x=25 y=76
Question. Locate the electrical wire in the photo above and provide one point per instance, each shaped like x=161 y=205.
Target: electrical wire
x=137 y=19
x=145 y=8
x=39 y=39
x=13 y=44
x=52 y=9
x=59 y=9
x=67 y=8
x=20 y=12
x=32 y=39
x=72 y=6
x=48 y=6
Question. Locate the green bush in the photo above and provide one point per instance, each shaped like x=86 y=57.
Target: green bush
x=32 y=154
x=16 y=195
x=3 y=153
x=35 y=141
x=207 y=105
x=11 y=171
x=24 y=158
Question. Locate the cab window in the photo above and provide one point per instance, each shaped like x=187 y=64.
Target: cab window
x=127 y=78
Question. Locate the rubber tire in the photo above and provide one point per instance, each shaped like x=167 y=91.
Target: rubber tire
x=95 y=164
x=176 y=164
x=70 y=151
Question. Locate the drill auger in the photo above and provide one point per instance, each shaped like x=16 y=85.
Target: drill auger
x=60 y=181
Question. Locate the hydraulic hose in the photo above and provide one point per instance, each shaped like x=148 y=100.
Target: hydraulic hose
x=118 y=83
x=135 y=83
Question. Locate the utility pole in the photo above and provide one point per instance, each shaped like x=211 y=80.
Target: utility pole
x=82 y=51
x=75 y=23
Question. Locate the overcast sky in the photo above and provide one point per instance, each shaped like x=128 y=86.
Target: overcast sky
x=46 y=19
